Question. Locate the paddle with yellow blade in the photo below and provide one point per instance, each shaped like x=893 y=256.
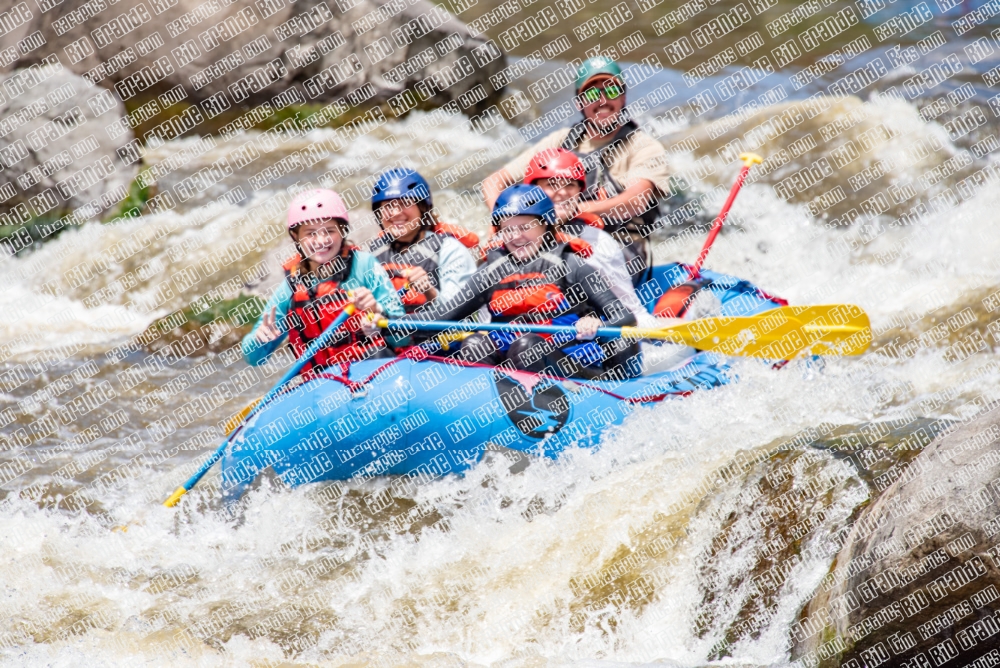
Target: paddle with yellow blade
x=781 y=333
x=245 y=414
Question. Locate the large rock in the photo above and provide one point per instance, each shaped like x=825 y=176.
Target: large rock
x=227 y=53
x=917 y=581
x=62 y=146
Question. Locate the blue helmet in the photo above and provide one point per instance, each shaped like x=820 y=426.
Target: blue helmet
x=401 y=183
x=524 y=200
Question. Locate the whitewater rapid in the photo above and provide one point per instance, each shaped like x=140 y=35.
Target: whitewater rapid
x=641 y=551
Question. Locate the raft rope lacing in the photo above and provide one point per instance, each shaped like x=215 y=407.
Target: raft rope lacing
x=417 y=354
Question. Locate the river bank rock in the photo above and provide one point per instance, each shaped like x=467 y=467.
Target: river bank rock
x=917 y=581
x=201 y=329
x=227 y=54
x=62 y=147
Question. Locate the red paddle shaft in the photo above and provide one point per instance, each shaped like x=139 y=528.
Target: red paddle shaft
x=749 y=159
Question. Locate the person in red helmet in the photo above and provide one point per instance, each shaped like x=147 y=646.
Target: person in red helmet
x=627 y=169
x=324 y=276
x=560 y=173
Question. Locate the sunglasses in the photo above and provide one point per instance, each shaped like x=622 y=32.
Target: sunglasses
x=610 y=92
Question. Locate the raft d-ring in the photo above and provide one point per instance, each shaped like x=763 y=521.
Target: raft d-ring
x=359 y=392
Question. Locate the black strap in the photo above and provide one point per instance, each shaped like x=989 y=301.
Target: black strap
x=310 y=281
x=423 y=252
x=575 y=137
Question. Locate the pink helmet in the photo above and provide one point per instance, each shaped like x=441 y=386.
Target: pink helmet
x=319 y=204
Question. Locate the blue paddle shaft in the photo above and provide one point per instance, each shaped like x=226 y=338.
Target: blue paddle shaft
x=445 y=325
x=310 y=352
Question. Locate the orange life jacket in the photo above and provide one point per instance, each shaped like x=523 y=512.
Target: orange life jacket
x=535 y=293
x=576 y=244
x=590 y=219
x=423 y=253
x=314 y=305
x=675 y=302
x=469 y=239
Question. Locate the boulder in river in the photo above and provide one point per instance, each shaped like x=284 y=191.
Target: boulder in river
x=917 y=581
x=63 y=146
x=226 y=54
x=204 y=328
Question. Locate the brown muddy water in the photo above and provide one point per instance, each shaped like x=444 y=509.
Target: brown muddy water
x=638 y=552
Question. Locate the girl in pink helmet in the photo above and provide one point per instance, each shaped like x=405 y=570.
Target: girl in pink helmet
x=323 y=277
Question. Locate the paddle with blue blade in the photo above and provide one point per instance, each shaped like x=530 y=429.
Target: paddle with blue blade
x=247 y=412
x=781 y=333
x=238 y=419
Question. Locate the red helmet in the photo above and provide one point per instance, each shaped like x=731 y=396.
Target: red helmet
x=555 y=163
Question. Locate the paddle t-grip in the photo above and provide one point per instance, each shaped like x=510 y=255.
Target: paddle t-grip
x=749 y=160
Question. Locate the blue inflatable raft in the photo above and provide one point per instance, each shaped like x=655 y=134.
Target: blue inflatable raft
x=431 y=417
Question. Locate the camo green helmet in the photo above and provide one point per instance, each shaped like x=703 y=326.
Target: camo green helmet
x=595 y=66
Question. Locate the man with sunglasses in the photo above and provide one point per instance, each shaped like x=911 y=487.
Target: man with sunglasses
x=626 y=169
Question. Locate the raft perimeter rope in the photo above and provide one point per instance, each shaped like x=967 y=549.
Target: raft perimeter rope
x=355 y=385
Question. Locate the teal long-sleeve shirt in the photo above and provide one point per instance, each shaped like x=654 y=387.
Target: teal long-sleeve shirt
x=366 y=272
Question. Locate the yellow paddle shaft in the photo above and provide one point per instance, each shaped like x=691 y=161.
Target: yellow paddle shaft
x=777 y=334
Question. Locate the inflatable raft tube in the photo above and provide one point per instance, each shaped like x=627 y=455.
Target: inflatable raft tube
x=432 y=417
